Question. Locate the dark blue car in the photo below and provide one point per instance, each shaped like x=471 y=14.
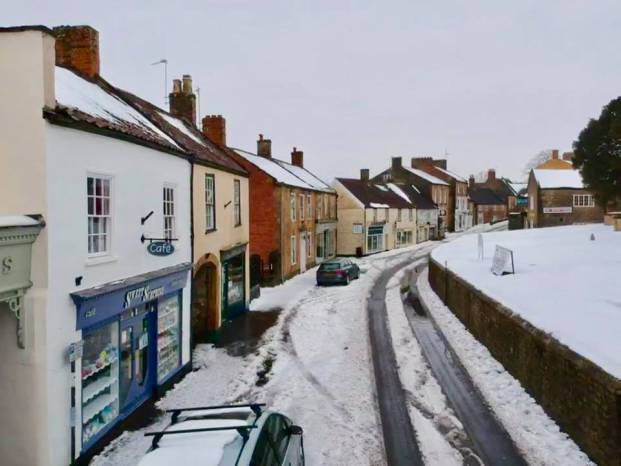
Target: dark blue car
x=337 y=271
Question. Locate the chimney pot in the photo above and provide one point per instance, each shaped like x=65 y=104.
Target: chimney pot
x=491 y=174
x=187 y=84
x=264 y=147
x=77 y=48
x=364 y=174
x=214 y=129
x=297 y=158
x=471 y=181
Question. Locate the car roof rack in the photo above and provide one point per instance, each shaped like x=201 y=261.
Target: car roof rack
x=157 y=436
x=254 y=407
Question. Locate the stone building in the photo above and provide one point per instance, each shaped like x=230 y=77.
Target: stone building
x=293 y=215
x=429 y=185
x=558 y=197
x=376 y=216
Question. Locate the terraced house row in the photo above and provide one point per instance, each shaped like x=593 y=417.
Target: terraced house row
x=139 y=235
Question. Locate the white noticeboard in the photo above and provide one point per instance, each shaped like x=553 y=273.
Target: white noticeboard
x=503 y=261
x=557 y=210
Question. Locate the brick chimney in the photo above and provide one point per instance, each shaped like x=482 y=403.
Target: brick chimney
x=555 y=154
x=77 y=48
x=183 y=100
x=396 y=162
x=264 y=147
x=440 y=163
x=214 y=129
x=471 y=181
x=491 y=175
x=568 y=156
x=364 y=174
x=419 y=162
x=297 y=158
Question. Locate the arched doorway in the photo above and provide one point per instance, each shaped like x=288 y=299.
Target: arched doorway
x=205 y=299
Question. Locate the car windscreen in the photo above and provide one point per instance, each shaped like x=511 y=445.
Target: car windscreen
x=331 y=267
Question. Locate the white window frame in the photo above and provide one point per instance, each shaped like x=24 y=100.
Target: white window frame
x=237 y=219
x=302 y=207
x=168 y=210
x=212 y=205
x=108 y=217
x=294 y=249
x=309 y=206
x=411 y=215
x=293 y=205
x=583 y=200
x=399 y=215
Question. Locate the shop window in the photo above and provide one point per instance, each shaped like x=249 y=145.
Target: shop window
x=294 y=252
x=237 y=201
x=100 y=382
x=169 y=212
x=168 y=335
x=210 y=203
x=99 y=215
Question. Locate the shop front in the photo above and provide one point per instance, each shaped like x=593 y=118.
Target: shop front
x=233 y=281
x=325 y=241
x=131 y=344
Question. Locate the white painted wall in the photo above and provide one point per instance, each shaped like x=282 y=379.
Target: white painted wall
x=138 y=176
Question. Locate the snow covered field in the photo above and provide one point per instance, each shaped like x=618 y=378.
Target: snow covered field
x=565 y=283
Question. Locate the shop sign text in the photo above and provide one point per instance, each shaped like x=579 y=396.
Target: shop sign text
x=160 y=248
x=7 y=265
x=142 y=295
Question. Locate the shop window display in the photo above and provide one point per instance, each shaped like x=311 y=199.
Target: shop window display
x=168 y=336
x=100 y=382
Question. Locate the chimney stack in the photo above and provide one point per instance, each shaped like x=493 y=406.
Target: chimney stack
x=183 y=100
x=555 y=154
x=297 y=158
x=568 y=156
x=491 y=175
x=396 y=162
x=264 y=147
x=471 y=181
x=77 y=48
x=440 y=163
x=214 y=129
x=419 y=162
x=364 y=174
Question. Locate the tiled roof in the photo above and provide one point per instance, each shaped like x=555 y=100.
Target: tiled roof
x=484 y=196
x=373 y=194
x=188 y=137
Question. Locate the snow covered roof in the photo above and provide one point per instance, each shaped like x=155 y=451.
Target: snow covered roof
x=390 y=195
x=452 y=175
x=398 y=191
x=517 y=187
x=285 y=173
x=88 y=101
x=556 y=179
x=426 y=176
x=181 y=126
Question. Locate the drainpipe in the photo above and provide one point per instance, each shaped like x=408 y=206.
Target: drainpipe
x=191 y=160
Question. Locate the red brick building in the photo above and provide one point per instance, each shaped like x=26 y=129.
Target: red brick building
x=293 y=216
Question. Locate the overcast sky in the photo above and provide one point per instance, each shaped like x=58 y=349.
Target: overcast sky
x=353 y=83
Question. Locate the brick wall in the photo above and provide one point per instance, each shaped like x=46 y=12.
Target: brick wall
x=492 y=213
x=581 y=397
x=564 y=198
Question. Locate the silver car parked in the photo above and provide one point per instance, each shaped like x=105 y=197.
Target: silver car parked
x=227 y=435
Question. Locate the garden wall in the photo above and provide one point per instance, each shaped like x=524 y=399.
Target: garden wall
x=580 y=396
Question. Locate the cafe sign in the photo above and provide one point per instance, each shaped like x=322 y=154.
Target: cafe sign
x=160 y=248
x=16 y=237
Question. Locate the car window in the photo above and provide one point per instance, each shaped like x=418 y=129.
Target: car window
x=330 y=267
x=272 y=443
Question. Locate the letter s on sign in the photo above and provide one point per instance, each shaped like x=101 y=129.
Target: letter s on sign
x=7 y=265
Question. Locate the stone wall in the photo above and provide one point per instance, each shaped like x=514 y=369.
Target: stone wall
x=581 y=397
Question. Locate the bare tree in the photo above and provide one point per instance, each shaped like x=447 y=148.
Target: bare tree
x=541 y=157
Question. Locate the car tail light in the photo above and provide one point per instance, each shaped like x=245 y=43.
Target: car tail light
x=340 y=273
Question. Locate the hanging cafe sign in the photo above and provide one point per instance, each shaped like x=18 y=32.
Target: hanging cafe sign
x=159 y=246
x=17 y=233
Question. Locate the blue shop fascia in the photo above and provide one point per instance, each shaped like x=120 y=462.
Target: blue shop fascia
x=133 y=345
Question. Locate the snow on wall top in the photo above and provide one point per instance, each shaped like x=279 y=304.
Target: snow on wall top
x=283 y=172
x=426 y=176
x=548 y=261
x=550 y=178
x=74 y=92
x=7 y=221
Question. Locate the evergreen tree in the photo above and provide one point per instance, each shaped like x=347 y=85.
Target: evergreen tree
x=597 y=154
